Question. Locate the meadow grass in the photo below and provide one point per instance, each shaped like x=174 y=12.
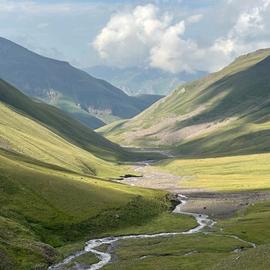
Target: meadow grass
x=236 y=173
x=213 y=251
x=27 y=137
x=252 y=225
x=45 y=204
x=191 y=252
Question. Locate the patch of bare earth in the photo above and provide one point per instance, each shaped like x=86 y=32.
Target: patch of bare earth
x=5 y=144
x=214 y=204
x=158 y=126
x=163 y=132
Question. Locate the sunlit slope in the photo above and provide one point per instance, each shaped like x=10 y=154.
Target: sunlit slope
x=27 y=137
x=234 y=173
x=62 y=124
x=224 y=113
x=43 y=207
x=53 y=192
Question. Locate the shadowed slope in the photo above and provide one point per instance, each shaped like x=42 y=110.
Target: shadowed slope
x=92 y=101
x=60 y=123
x=224 y=113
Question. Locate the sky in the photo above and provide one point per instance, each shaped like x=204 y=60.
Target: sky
x=170 y=35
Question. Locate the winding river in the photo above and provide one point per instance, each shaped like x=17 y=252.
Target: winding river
x=105 y=257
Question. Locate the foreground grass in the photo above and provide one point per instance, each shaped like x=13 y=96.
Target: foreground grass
x=237 y=173
x=25 y=136
x=45 y=209
x=44 y=205
x=189 y=252
x=213 y=251
x=251 y=225
x=165 y=222
x=254 y=259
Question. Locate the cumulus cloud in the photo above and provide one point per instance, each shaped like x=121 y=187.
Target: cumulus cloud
x=249 y=33
x=146 y=36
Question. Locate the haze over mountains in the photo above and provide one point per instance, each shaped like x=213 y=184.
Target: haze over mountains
x=226 y=112
x=90 y=100
x=136 y=80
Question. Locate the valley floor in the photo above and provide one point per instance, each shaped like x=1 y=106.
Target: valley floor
x=241 y=219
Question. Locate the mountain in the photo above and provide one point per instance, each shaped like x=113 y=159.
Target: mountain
x=135 y=80
x=61 y=124
x=54 y=184
x=227 y=112
x=90 y=100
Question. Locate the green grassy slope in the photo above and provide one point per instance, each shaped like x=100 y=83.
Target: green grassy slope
x=43 y=206
x=224 y=113
x=53 y=193
x=60 y=123
x=27 y=137
x=237 y=173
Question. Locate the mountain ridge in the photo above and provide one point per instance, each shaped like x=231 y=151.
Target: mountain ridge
x=211 y=116
x=92 y=101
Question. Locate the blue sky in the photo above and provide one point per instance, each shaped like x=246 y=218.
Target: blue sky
x=172 y=35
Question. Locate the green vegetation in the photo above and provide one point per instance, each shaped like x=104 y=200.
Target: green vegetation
x=27 y=137
x=165 y=222
x=225 y=113
x=238 y=173
x=251 y=225
x=68 y=105
x=54 y=188
x=254 y=259
x=191 y=252
x=42 y=203
x=61 y=124
x=204 y=251
x=66 y=127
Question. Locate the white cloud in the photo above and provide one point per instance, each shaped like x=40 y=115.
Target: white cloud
x=128 y=37
x=247 y=34
x=146 y=36
x=171 y=53
x=169 y=35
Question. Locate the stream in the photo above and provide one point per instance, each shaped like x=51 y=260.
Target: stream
x=91 y=246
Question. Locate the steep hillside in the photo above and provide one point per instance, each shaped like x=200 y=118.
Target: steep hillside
x=44 y=207
x=224 y=113
x=54 y=189
x=136 y=80
x=90 y=100
x=60 y=123
x=24 y=136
